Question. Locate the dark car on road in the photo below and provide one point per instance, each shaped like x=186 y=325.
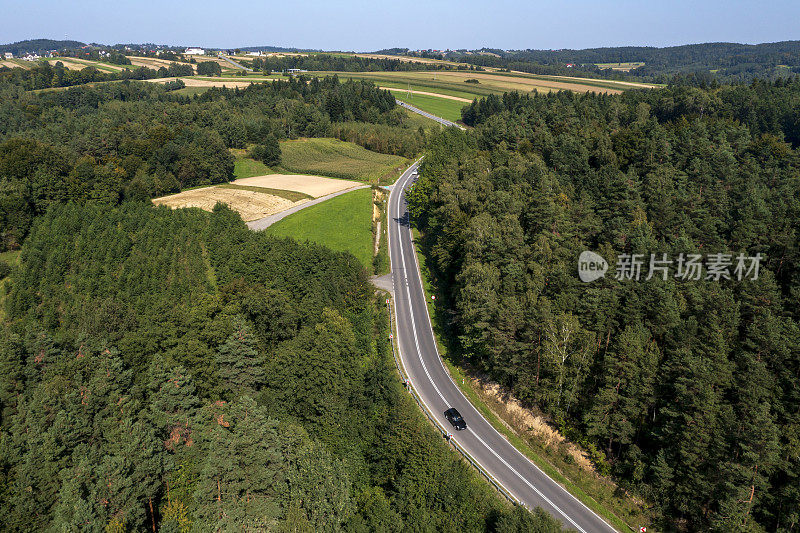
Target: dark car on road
x=455 y=418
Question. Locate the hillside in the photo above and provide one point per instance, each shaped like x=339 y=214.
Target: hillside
x=38 y=45
x=724 y=61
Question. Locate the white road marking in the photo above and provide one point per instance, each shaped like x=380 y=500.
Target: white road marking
x=425 y=368
x=430 y=379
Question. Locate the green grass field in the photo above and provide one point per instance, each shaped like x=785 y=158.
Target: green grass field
x=415 y=121
x=441 y=107
x=490 y=82
x=343 y=223
x=339 y=159
x=468 y=93
x=244 y=167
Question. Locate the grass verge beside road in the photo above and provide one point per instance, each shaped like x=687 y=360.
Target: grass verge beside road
x=599 y=494
x=343 y=223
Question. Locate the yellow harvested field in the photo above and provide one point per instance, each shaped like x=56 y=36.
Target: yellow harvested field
x=10 y=64
x=499 y=82
x=68 y=62
x=151 y=62
x=519 y=83
x=250 y=205
x=194 y=82
x=617 y=82
x=221 y=62
x=315 y=186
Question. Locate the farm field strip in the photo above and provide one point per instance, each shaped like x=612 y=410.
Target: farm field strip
x=69 y=63
x=199 y=82
x=10 y=63
x=259 y=196
x=108 y=67
x=490 y=81
x=153 y=63
x=427 y=93
x=418 y=82
x=599 y=82
x=292 y=196
x=314 y=186
x=251 y=205
x=503 y=80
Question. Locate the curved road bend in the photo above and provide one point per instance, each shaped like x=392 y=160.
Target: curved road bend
x=420 y=357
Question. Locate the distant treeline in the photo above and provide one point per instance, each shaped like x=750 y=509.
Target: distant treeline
x=38 y=46
x=344 y=63
x=728 y=62
x=46 y=76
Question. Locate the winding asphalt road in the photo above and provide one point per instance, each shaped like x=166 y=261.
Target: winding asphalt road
x=427 y=374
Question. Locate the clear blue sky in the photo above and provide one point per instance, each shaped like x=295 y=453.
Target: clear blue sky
x=368 y=25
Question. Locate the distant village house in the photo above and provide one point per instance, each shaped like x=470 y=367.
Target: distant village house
x=194 y=52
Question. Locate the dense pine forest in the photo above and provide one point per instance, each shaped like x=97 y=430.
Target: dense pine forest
x=700 y=63
x=173 y=371
x=687 y=390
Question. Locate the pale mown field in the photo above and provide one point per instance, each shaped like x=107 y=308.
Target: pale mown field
x=151 y=62
x=249 y=204
x=196 y=82
x=315 y=186
x=259 y=196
